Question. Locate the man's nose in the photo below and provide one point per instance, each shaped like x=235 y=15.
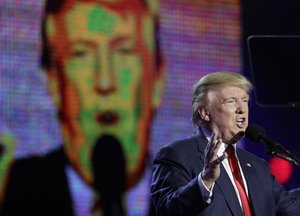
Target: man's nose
x=104 y=75
x=241 y=107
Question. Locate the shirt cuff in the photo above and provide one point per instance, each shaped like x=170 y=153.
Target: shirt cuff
x=206 y=193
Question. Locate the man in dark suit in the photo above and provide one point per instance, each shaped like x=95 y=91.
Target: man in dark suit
x=207 y=174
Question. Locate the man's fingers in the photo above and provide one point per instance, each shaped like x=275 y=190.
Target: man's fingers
x=212 y=149
x=208 y=149
x=222 y=157
x=217 y=145
x=211 y=144
x=215 y=148
x=219 y=159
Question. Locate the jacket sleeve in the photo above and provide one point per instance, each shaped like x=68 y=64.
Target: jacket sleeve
x=174 y=189
x=287 y=202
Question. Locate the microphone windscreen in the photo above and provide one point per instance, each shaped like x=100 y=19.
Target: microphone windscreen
x=254 y=131
x=108 y=164
x=2 y=149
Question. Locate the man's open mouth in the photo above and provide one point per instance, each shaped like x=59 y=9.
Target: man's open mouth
x=108 y=118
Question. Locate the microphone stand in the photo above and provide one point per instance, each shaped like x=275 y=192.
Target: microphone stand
x=281 y=152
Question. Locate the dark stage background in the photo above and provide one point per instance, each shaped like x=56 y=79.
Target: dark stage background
x=278 y=22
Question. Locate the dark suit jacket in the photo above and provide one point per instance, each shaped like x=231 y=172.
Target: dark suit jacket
x=38 y=186
x=175 y=189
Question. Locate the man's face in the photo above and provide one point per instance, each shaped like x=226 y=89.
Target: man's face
x=228 y=111
x=104 y=66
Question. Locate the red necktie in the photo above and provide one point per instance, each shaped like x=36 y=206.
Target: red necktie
x=234 y=166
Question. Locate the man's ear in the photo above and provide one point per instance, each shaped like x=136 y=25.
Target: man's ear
x=158 y=87
x=53 y=86
x=204 y=114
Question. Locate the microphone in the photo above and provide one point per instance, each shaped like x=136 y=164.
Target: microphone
x=257 y=133
x=2 y=149
x=109 y=169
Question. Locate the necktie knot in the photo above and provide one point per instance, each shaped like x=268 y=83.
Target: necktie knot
x=232 y=159
x=230 y=151
x=233 y=163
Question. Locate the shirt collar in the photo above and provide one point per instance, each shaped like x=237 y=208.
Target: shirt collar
x=223 y=145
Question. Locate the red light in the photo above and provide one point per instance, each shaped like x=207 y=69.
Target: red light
x=281 y=169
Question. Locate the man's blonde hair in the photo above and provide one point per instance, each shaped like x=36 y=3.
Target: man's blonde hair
x=211 y=80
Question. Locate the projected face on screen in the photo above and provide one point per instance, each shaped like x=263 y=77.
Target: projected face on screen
x=104 y=79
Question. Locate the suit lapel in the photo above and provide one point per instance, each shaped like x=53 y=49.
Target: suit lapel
x=249 y=174
x=228 y=191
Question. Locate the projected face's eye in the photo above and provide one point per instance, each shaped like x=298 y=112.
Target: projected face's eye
x=82 y=50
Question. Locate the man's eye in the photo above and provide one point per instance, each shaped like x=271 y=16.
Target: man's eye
x=79 y=50
x=79 y=53
x=126 y=50
x=230 y=100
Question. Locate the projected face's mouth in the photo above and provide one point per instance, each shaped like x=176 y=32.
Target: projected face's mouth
x=108 y=118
